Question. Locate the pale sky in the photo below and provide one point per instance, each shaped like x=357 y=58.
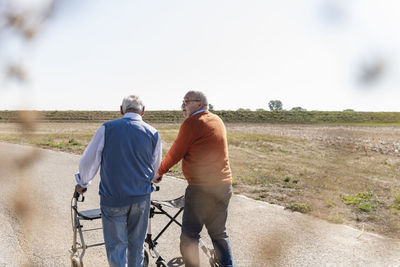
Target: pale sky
x=241 y=54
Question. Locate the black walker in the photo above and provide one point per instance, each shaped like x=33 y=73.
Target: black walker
x=78 y=248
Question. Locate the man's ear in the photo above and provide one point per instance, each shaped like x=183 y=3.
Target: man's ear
x=142 y=113
x=120 y=109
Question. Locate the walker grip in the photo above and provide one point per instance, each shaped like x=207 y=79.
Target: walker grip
x=77 y=194
x=155 y=187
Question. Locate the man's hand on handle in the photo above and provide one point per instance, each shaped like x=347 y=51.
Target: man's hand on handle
x=157 y=178
x=80 y=189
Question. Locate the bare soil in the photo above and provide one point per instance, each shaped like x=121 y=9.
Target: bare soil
x=312 y=168
x=385 y=140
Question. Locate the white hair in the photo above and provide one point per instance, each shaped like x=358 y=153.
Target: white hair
x=132 y=102
x=199 y=96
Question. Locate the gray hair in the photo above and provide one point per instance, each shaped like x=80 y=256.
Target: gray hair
x=199 y=96
x=133 y=103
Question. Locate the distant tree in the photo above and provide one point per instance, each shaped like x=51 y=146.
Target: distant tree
x=298 y=109
x=275 y=105
x=243 y=109
x=260 y=109
x=349 y=109
x=210 y=107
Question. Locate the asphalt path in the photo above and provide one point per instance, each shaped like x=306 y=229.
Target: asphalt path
x=39 y=184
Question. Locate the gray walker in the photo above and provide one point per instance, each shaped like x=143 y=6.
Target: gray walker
x=78 y=248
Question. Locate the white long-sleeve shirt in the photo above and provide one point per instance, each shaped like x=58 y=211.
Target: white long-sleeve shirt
x=91 y=159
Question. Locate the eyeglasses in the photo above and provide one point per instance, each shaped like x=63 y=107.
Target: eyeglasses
x=184 y=101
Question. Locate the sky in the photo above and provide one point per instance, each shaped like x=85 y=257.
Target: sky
x=241 y=54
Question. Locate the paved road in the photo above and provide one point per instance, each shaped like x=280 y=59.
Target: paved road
x=261 y=234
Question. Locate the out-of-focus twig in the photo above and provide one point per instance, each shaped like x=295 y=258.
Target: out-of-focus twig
x=372 y=71
x=23 y=21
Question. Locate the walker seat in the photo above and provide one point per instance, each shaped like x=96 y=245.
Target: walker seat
x=90 y=214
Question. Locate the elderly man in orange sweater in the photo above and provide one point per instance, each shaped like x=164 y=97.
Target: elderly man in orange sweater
x=202 y=145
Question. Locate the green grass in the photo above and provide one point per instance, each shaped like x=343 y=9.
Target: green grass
x=247 y=116
x=336 y=219
x=300 y=207
x=397 y=198
x=331 y=204
x=364 y=201
x=10 y=139
x=65 y=142
x=70 y=145
x=366 y=207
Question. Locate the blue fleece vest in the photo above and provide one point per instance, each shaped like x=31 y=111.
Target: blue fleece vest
x=126 y=165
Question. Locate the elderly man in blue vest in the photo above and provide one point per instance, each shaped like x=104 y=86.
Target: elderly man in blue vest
x=128 y=152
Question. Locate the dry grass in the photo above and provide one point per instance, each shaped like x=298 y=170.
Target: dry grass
x=311 y=169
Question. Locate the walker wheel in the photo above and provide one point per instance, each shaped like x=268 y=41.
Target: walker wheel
x=162 y=264
x=146 y=259
x=76 y=263
x=213 y=259
x=212 y=262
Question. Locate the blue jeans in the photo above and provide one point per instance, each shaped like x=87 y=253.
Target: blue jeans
x=124 y=228
x=206 y=205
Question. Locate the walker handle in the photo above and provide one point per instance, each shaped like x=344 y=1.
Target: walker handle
x=76 y=196
x=155 y=187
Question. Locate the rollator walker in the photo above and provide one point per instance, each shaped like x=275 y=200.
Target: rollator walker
x=79 y=246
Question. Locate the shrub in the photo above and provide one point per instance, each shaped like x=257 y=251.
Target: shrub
x=300 y=207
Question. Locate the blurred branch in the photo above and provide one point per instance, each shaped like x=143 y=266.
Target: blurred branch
x=25 y=20
x=372 y=71
x=16 y=72
x=21 y=21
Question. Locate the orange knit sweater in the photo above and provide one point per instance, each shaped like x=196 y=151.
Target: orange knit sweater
x=203 y=148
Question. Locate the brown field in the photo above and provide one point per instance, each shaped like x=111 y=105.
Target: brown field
x=343 y=174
